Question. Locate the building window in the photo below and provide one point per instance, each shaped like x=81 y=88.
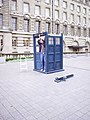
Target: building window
x=89 y=33
x=14 y=41
x=56 y=2
x=47 y=27
x=37 y=10
x=47 y=12
x=1 y=2
x=89 y=22
x=26 y=42
x=78 y=9
x=78 y=19
x=13 y=5
x=65 y=29
x=20 y=42
x=84 y=10
x=72 y=17
x=78 y=31
x=84 y=20
x=89 y=12
x=84 y=32
x=26 y=25
x=64 y=4
x=71 y=6
x=72 y=31
x=14 y=24
x=57 y=28
x=47 y=1
x=1 y=20
x=64 y=16
x=26 y=8
x=1 y=44
x=56 y=14
x=37 y=26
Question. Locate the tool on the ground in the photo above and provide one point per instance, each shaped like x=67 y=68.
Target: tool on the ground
x=63 y=78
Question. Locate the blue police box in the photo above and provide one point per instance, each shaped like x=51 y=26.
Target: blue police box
x=53 y=52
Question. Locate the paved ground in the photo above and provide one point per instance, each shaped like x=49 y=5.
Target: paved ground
x=30 y=95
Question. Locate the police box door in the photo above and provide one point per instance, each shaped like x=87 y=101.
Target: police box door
x=37 y=61
x=54 y=53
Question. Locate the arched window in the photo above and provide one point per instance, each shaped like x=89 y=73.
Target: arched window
x=65 y=29
x=57 y=28
x=37 y=26
x=72 y=31
x=78 y=32
x=47 y=27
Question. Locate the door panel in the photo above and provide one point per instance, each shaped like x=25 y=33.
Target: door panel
x=53 y=53
x=57 y=53
x=50 y=54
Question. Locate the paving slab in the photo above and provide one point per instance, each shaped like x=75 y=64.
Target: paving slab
x=30 y=95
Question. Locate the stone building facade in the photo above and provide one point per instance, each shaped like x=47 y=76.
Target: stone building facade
x=20 y=19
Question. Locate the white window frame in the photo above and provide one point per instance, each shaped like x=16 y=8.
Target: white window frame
x=72 y=17
x=78 y=32
x=72 y=30
x=26 y=25
x=89 y=22
x=47 y=1
x=13 y=5
x=84 y=32
x=56 y=14
x=57 y=28
x=26 y=7
x=56 y=2
x=37 y=10
x=64 y=16
x=89 y=32
x=65 y=29
x=78 y=9
x=37 y=26
x=78 y=19
x=72 y=6
x=14 y=23
x=47 y=27
x=89 y=12
x=47 y=12
x=64 y=4
x=84 y=20
x=84 y=10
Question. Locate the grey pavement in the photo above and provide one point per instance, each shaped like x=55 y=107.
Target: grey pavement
x=30 y=95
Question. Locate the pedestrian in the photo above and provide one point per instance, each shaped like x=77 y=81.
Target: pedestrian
x=41 y=43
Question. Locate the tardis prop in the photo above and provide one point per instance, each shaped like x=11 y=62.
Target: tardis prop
x=53 y=52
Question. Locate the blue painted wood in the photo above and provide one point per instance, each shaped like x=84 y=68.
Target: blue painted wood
x=53 y=52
